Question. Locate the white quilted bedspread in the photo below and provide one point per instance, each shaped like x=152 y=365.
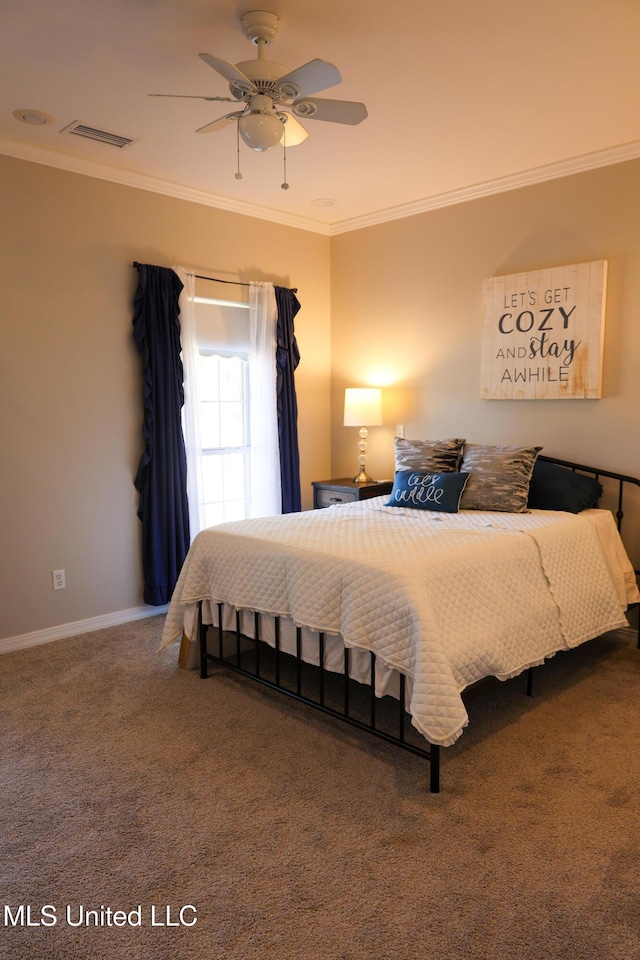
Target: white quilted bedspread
x=445 y=598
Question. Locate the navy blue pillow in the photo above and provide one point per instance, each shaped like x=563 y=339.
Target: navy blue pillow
x=427 y=491
x=556 y=488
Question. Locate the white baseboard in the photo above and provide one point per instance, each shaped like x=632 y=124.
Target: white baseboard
x=25 y=640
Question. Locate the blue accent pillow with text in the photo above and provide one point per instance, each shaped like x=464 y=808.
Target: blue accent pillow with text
x=428 y=491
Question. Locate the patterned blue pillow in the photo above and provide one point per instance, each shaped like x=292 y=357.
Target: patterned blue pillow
x=427 y=491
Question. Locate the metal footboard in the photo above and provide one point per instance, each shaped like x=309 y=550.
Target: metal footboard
x=295 y=687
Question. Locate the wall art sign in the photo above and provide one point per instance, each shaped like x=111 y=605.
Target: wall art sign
x=543 y=334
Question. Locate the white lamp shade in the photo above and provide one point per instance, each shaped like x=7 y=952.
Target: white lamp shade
x=260 y=132
x=362 y=407
x=261 y=128
x=294 y=132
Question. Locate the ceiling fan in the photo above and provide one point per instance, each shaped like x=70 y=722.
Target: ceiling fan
x=272 y=96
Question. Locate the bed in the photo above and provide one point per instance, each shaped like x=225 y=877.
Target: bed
x=426 y=601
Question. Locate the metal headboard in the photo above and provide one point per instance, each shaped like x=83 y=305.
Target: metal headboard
x=622 y=487
x=620 y=478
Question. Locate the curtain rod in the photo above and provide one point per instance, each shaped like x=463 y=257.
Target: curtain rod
x=238 y=283
x=198 y=276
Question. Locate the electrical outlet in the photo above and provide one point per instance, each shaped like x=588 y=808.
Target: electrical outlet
x=58 y=579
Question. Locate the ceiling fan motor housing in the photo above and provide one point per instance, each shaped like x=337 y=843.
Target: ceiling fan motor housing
x=264 y=74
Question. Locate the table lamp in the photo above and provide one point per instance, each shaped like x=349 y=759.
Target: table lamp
x=363 y=408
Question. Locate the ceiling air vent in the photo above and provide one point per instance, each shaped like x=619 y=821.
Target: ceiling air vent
x=92 y=133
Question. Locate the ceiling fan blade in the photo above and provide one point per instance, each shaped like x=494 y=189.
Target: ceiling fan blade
x=334 y=111
x=192 y=96
x=294 y=132
x=229 y=71
x=218 y=124
x=309 y=78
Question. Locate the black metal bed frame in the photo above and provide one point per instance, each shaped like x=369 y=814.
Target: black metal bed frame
x=345 y=714
x=255 y=672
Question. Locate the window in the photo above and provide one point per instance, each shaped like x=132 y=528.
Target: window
x=230 y=410
x=224 y=436
x=222 y=333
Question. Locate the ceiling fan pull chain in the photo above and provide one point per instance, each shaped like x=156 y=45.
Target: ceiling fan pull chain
x=238 y=175
x=285 y=185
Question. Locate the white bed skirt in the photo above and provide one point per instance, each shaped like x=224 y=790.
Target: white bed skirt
x=387 y=680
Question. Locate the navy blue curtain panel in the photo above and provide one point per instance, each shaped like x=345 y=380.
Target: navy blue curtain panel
x=287 y=359
x=161 y=479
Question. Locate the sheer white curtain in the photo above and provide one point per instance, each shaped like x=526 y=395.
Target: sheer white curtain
x=264 y=458
x=190 y=363
x=265 y=446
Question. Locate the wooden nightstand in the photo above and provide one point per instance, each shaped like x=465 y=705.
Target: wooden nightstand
x=328 y=492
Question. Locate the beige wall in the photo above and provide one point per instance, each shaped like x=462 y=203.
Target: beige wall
x=406 y=309
x=71 y=408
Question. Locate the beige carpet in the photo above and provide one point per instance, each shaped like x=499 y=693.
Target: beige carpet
x=126 y=782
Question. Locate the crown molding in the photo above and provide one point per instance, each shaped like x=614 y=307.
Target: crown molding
x=552 y=171
x=127 y=178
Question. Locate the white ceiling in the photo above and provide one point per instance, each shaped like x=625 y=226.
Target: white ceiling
x=465 y=97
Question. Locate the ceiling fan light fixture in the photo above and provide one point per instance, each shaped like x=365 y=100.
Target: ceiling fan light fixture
x=260 y=131
x=294 y=132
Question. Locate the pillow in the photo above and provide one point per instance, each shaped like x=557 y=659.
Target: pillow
x=499 y=477
x=429 y=456
x=427 y=491
x=557 y=488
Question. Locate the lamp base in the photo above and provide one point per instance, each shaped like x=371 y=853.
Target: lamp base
x=363 y=477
